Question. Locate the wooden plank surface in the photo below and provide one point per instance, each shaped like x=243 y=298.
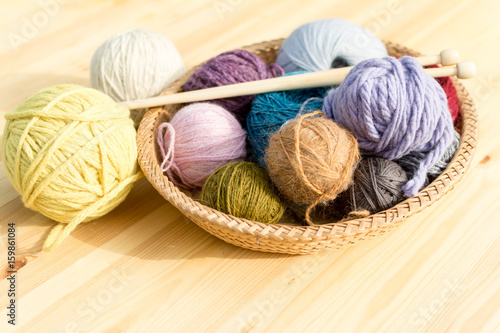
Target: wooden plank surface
x=146 y=268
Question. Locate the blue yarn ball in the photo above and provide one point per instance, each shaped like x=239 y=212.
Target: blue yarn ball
x=328 y=43
x=270 y=111
x=411 y=162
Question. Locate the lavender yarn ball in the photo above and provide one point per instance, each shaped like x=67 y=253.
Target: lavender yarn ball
x=328 y=43
x=229 y=68
x=394 y=108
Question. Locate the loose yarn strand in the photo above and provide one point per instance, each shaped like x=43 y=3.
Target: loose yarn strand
x=62 y=230
x=416 y=183
x=276 y=70
x=169 y=155
x=307 y=101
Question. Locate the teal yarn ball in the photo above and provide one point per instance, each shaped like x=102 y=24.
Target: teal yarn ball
x=244 y=190
x=271 y=110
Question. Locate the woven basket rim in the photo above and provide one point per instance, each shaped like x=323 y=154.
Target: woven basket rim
x=444 y=183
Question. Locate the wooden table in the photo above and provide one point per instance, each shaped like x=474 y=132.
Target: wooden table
x=146 y=268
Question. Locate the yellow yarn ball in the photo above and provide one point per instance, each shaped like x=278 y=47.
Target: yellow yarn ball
x=71 y=154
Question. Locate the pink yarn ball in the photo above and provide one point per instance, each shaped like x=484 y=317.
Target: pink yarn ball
x=200 y=138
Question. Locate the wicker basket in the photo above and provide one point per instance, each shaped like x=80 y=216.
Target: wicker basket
x=283 y=238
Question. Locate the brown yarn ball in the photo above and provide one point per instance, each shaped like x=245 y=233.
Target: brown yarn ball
x=311 y=159
x=377 y=185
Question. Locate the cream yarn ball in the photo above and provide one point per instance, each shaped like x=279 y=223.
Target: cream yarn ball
x=135 y=64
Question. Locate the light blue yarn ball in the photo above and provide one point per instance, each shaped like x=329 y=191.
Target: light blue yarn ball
x=329 y=43
x=271 y=110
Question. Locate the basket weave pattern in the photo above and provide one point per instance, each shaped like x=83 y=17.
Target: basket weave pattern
x=300 y=239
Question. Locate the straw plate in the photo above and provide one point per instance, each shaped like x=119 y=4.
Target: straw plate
x=282 y=238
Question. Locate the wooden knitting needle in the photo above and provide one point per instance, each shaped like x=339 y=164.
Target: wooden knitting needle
x=446 y=58
x=330 y=77
x=463 y=70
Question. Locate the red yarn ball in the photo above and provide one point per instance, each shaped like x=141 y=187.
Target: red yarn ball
x=451 y=95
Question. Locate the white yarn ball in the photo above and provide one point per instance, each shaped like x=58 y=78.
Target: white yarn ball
x=323 y=44
x=135 y=64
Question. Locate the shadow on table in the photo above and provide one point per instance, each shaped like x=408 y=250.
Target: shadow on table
x=146 y=226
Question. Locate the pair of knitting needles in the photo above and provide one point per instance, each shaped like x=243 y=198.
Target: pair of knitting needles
x=448 y=58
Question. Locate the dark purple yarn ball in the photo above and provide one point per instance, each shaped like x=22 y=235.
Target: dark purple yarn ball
x=229 y=68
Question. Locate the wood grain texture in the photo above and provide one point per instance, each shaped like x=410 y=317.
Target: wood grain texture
x=146 y=268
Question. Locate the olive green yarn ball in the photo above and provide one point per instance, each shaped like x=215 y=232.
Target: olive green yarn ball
x=244 y=190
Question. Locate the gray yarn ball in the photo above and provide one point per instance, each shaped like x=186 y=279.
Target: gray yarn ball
x=377 y=185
